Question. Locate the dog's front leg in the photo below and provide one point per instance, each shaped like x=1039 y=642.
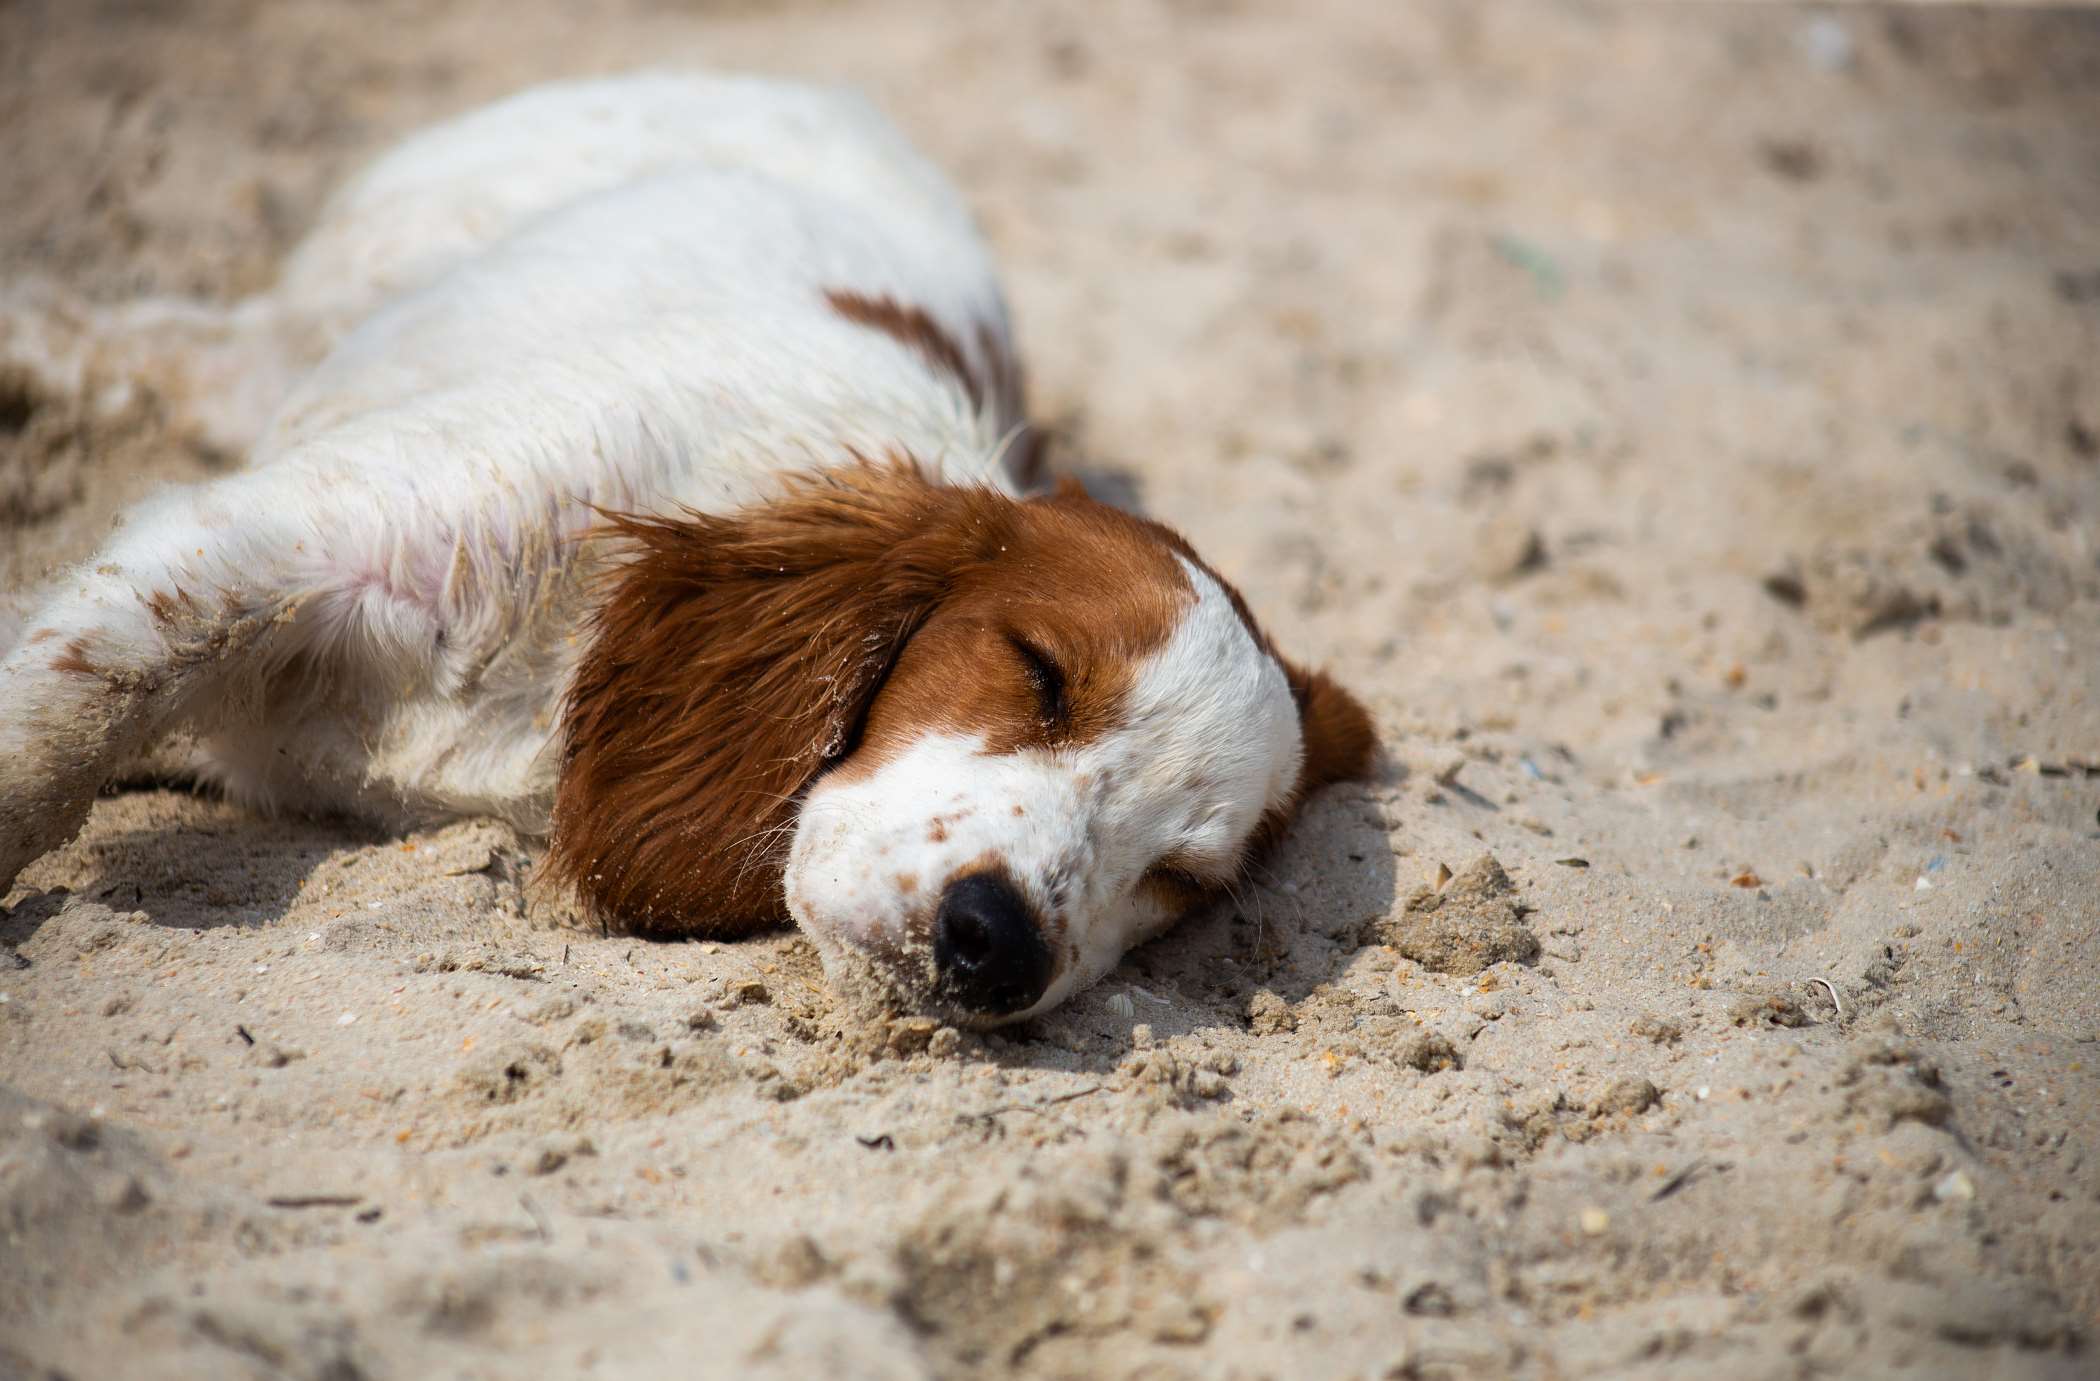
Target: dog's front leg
x=194 y=603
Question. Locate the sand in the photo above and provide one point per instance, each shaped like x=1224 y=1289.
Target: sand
x=1681 y=425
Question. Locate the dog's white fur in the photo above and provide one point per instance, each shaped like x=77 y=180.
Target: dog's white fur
x=594 y=295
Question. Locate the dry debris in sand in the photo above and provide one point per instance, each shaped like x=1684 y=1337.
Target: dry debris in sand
x=1678 y=422
x=1469 y=924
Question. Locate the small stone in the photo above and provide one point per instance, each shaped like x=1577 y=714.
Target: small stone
x=1488 y=1006
x=1269 y=1014
x=910 y=1035
x=1955 y=1188
x=1626 y=1094
x=1181 y=1322
x=1429 y=1052
x=126 y=1195
x=1474 y=1151
x=1827 y=43
x=798 y=1264
x=1767 y=1009
x=1661 y=1030
x=1502 y=550
x=1595 y=1222
x=70 y=1130
x=549 y=1160
x=1430 y=1300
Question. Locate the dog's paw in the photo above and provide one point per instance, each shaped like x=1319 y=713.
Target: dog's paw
x=33 y=823
x=54 y=743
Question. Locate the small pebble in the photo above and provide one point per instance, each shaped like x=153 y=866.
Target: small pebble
x=1955 y=1187
x=1827 y=43
x=1595 y=1222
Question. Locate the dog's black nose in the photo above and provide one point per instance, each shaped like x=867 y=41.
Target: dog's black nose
x=986 y=950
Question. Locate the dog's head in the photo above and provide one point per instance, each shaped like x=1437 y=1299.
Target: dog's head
x=975 y=746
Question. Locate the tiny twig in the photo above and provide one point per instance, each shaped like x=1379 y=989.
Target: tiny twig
x=1832 y=989
x=1681 y=1179
x=1036 y=1107
x=314 y=1200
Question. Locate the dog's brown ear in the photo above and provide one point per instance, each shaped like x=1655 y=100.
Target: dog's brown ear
x=1339 y=739
x=730 y=659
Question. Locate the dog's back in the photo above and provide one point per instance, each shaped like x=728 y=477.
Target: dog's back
x=695 y=224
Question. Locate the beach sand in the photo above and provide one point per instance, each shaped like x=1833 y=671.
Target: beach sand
x=1680 y=425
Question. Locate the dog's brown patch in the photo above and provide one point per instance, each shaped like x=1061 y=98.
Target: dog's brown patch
x=998 y=380
x=73 y=660
x=914 y=329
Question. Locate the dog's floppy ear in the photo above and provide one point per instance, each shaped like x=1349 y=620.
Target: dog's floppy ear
x=730 y=659
x=1339 y=739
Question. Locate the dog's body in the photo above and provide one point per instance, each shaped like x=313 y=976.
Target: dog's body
x=748 y=316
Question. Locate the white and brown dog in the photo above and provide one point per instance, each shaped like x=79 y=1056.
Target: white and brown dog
x=640 y=461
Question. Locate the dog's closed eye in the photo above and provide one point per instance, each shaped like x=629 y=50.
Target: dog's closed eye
x=1047 y=679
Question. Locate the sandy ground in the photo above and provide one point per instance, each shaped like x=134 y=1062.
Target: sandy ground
x=1682 y=426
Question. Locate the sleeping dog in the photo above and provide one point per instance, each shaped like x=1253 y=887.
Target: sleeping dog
x=642 y=462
